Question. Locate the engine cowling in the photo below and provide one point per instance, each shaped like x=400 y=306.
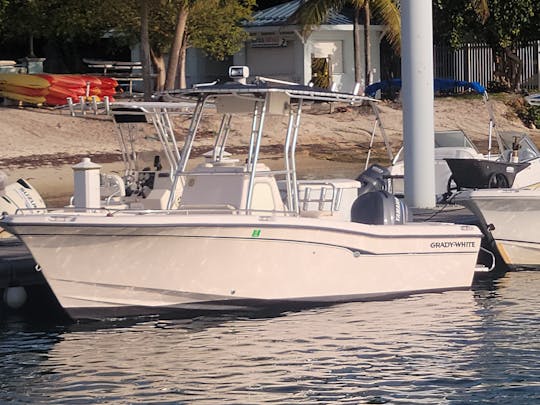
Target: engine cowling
x=372 y=179
x=379 y=208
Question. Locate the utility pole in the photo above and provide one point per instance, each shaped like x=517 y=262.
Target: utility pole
x=417 y=89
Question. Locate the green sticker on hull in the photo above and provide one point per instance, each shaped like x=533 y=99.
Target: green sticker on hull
x=256 y=233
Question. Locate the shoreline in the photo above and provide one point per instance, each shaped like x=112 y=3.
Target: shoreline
x=41 y=145
x=55 y=183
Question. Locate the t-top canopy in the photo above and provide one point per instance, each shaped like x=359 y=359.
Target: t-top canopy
x=260 y=88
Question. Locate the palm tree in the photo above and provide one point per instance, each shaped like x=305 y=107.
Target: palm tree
x=178 y=49
x=145 y=50
x=314 y=13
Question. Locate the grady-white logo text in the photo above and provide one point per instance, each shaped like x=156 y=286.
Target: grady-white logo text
x=442 y=245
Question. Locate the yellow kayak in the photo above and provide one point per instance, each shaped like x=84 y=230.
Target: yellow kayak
x=23 y=80
x=26 y=91
x=22 y=97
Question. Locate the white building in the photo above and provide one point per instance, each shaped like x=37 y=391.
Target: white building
x=278 y=49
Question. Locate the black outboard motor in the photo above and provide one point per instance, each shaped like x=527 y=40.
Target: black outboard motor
x=373 y=179
x=379 y=208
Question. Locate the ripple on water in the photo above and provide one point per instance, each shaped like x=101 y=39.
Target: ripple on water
x=479 y=346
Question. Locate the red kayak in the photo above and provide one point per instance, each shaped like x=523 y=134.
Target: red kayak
x=108 y=82
x=51 y=100
x=64 y=80
x=94 y=81
x=63 y=92
x=100 y=91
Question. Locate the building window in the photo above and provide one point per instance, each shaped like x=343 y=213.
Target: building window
x=333 y=50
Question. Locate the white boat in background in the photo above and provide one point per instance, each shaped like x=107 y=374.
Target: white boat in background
x=237 y=239
x=512 y=218
x=517 y=166
x=509 y=216
x=450 y=144
x=459 y=163
x=533 y=99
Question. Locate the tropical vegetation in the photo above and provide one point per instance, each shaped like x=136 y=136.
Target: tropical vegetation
x=504 y=26
x=161 y=26
x=71 y=29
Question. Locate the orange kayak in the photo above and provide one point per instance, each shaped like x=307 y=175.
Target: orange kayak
x=101 y=91
x=63 y=92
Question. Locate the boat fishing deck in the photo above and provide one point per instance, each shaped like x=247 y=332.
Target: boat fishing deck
x=445 y=213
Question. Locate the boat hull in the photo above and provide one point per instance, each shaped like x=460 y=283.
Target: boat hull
x=116 y=266
x=514 y=216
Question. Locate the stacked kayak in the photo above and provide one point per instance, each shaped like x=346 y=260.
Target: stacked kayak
x=28 y=88
x=55 y=89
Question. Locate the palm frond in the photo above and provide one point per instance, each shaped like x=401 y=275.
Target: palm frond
x=481 y=8
x=314 y=12
x=388 y=12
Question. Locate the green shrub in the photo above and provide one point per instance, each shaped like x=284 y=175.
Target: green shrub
x=528 y=114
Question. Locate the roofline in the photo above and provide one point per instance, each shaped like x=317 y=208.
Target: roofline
x=322 y=27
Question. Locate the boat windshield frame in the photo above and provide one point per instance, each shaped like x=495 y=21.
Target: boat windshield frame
x=527 y=148
x=125 y=115
x=258 y=100
x=438 y=135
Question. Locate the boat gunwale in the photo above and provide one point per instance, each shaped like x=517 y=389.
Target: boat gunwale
x=193 y=221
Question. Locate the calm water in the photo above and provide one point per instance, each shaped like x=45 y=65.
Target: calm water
x=479 y=346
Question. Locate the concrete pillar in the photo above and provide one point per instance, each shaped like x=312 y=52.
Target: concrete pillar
x=86 y=179
x=417 y=96
x=33 y=65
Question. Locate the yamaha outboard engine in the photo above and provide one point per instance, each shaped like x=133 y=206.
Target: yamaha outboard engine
x=379 y=208
x=373 y=179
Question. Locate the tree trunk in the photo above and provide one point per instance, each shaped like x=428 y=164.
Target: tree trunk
x=514 y=68
x=182 y=63
x=159 y=64
x=507 y=69
x=176 y=48
x=145 y=52
x=367 y=44
x=356 y=44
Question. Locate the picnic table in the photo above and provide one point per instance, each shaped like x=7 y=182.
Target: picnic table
x=121 y=71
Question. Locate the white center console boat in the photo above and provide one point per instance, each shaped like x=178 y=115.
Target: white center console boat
x=244 y=235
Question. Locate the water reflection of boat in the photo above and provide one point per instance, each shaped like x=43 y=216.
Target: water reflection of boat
x=237 y=239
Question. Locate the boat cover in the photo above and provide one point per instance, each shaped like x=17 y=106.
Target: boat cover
x=438 y=85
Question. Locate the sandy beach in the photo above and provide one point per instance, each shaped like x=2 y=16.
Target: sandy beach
x=42 y=144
